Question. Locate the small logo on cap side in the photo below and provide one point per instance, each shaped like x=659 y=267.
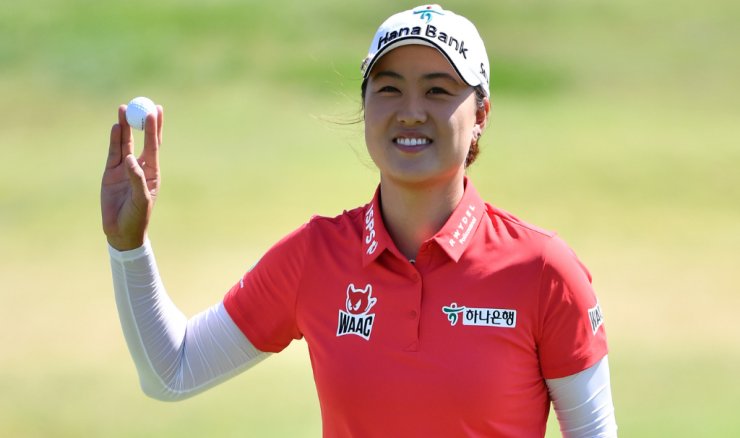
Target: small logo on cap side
x=426 y=14
x=365 y=63
x=483 y=72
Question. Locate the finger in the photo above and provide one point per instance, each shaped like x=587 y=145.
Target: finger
x=138 y=181
x=160 y=121
x=150 y=154
x=127 y=137
x=114 y=150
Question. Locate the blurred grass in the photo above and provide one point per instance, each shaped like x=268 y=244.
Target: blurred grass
x=615 y=123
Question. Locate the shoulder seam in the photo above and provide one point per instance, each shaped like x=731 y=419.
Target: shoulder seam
x=351 y=213
x=539 y=288
x=524 y=225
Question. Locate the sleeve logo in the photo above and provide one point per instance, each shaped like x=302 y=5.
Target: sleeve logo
x=356 y=320
x=481 y=317
x=596 y=317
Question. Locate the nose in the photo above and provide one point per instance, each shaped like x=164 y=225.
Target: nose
x=412 y=111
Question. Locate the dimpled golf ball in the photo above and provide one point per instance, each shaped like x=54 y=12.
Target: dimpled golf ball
x=137 y=111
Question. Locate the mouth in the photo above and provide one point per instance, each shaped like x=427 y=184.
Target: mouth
x=412 y=143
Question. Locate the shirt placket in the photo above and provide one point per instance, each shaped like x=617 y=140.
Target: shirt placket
x=416 y=279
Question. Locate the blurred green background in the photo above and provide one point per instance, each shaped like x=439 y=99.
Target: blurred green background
x=615 y=123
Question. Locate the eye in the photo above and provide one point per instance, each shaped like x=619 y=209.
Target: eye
x=437 y=90
x=388 y=89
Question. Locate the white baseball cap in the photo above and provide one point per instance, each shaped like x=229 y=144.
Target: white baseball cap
x=430 y=25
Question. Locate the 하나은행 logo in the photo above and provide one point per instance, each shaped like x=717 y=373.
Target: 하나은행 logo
x=356 y=320
x=480 y=316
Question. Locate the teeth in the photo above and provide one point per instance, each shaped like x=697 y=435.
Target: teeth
x=411 y=141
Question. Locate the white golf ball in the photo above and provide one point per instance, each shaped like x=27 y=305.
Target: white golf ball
x=137 y=111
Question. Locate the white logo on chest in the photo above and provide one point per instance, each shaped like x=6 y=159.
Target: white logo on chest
x=356 y=320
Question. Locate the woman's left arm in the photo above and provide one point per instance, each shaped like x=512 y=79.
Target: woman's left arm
x=583 y=403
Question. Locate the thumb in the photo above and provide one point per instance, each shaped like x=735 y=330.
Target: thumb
x=138 y=180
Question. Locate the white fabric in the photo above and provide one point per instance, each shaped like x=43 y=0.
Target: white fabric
x=583 y=403
x=430 y=25
x=176 y=358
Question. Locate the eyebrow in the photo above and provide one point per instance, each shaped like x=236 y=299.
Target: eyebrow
x=447 y=76
x=387 y=73
x=427 y=77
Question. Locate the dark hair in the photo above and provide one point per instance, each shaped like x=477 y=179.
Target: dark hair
x=480 y=95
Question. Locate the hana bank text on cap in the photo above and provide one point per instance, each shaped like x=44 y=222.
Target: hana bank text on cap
x=430 y=25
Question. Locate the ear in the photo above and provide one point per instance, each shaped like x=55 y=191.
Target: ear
x=481 y=118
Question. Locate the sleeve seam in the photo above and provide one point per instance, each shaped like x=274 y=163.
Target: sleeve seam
x=540 y=316
x=246 y=322
x=303 y=270
x=601 y=344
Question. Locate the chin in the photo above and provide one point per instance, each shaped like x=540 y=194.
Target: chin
x=420 y=174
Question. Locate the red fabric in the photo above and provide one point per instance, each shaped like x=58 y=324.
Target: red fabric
x=414 y=373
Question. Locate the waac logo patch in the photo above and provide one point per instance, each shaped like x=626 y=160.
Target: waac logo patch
x=356 y=320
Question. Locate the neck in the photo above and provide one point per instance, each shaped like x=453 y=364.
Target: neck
x=413 y=213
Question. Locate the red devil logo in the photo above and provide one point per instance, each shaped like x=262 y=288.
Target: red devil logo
x=359 y=301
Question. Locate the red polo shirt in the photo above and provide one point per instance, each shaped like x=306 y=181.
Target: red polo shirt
x=455 y=345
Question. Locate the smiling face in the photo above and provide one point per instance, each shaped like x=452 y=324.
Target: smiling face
x=420 y=117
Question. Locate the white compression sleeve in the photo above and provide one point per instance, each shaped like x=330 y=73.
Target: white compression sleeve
x=176 y=358
x=583 y=403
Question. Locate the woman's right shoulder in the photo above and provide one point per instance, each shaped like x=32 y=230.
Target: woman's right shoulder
x=346 y=226
x=322 y=230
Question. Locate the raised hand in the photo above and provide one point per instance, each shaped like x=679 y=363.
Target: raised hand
x=130 y=186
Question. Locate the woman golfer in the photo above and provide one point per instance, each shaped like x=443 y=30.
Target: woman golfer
x=427 y=312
